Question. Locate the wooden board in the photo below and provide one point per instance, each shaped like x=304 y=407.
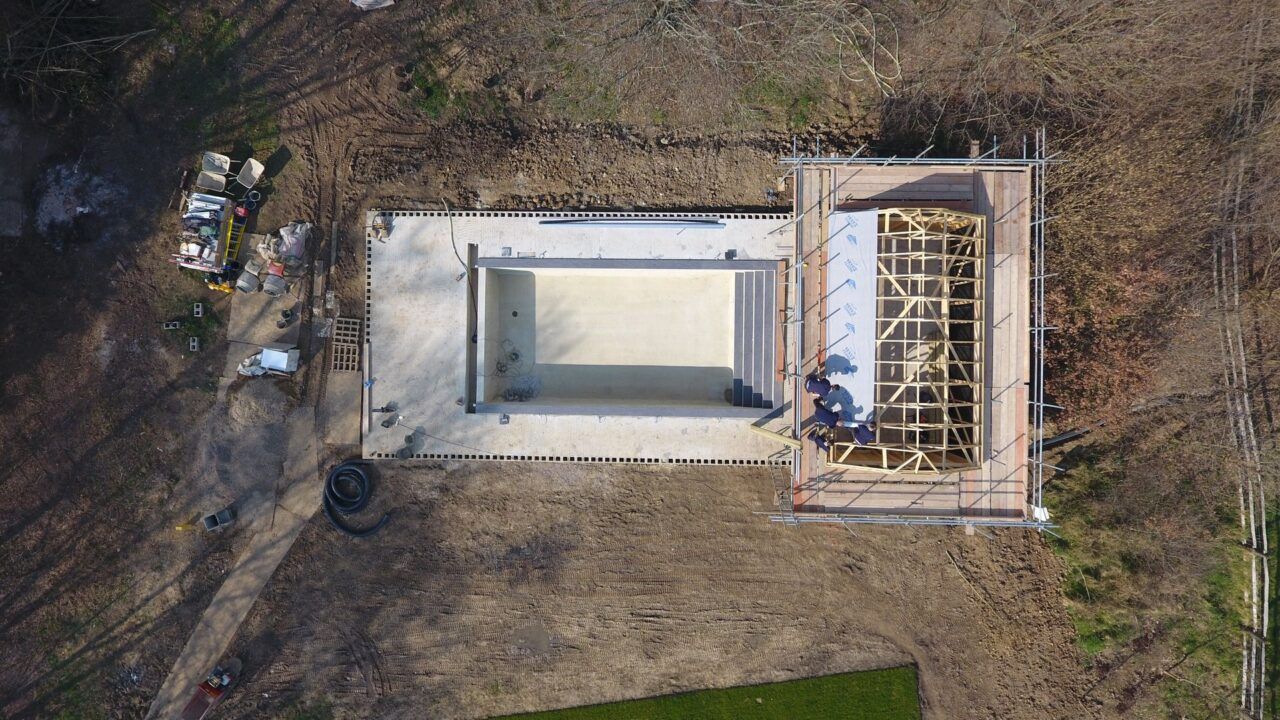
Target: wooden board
x=903 y=184
x=999 y=490
x=890 y=498
x=811 y=226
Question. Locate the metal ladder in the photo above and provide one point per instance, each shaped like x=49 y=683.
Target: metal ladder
x=235 y=234
x=781 y=476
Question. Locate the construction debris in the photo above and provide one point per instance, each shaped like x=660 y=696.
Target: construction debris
x=278 y=257
x=270 y=361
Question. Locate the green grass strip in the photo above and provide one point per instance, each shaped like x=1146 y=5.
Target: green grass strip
x=872 y=695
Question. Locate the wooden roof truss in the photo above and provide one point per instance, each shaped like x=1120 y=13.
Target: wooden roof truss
x=929 y=345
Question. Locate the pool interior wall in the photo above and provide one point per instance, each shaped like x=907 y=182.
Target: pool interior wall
x=567 y=336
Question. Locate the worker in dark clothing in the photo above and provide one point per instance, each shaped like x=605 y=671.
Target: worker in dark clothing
x=818 y=386
x=819 y=439
x=824 y=416
x=864 y=433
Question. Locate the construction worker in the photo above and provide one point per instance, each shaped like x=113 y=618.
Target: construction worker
x=818 y=386
x=819 y=438
x=864 y=433
x=824 y=416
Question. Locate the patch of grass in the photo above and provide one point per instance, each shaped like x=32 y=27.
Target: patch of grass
x=211 y=36
x=797 y=103
x=226 y=113
x=1272 y=701
x=890 y=694
x=246 y=128
x=259 y=128
x=69 y=625
x=180 y=309
x=435 y=98
x=1098 y=631
x=579 y=96
x=204 y=327
x=1126 y=591
x=72 y=685
x=220 y=35
x=432 y=95
x=76 y=700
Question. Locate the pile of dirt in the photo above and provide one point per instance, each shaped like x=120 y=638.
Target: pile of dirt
x=255 y=404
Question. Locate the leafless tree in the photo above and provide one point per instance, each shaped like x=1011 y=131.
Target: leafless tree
x=663 y=48
x=56 y=46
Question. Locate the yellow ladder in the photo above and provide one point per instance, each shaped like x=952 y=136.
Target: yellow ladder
x=235 y=233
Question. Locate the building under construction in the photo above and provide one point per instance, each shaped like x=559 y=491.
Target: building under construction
x=917 y=286
x=629 y=337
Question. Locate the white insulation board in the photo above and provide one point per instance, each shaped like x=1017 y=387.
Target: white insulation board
x=851 y=312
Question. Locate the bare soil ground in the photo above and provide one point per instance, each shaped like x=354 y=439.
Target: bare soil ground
x=499 y=588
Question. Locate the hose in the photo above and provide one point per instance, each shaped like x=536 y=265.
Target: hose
x=347 y=490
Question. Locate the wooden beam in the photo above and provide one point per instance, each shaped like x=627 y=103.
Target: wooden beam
x=784 y=439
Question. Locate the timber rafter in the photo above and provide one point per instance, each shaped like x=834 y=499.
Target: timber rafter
x=929 y=345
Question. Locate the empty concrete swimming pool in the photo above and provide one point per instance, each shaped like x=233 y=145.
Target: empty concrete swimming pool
x=619 y=336
x=611 y=337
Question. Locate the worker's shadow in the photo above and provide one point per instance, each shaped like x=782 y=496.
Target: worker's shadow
x=841 y=401
x=838 y=365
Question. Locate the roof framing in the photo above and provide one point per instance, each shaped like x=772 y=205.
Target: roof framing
x=1009 y=194
x=929 y=345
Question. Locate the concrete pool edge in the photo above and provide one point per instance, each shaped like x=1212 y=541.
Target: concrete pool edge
x=517 y=263
x=411 y=272
x=604 y=410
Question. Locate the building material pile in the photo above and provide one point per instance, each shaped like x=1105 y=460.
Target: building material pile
x=279 y=257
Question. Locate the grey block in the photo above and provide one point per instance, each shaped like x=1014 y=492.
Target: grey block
x=530 y=263
x=749 y=339
x=760 y=370
x=534 y=408
x=769 y=384
x=739 y=345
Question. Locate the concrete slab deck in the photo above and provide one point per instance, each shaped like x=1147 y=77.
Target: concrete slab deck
x=417 y=308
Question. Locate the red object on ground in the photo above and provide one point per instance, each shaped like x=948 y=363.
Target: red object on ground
x=209 y=693
x=241 y=211
x=276 y=269
x=205 y=699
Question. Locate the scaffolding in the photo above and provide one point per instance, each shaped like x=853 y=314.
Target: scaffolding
x=950 y=441
x=929 y=338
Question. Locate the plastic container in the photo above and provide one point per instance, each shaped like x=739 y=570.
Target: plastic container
x=247 y=283
x=274 y=285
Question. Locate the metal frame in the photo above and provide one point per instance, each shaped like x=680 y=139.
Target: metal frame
x=930 y=294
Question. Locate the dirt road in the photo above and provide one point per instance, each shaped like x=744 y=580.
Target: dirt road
x=298 y=501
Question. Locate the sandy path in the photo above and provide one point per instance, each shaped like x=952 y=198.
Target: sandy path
x=298 y=502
